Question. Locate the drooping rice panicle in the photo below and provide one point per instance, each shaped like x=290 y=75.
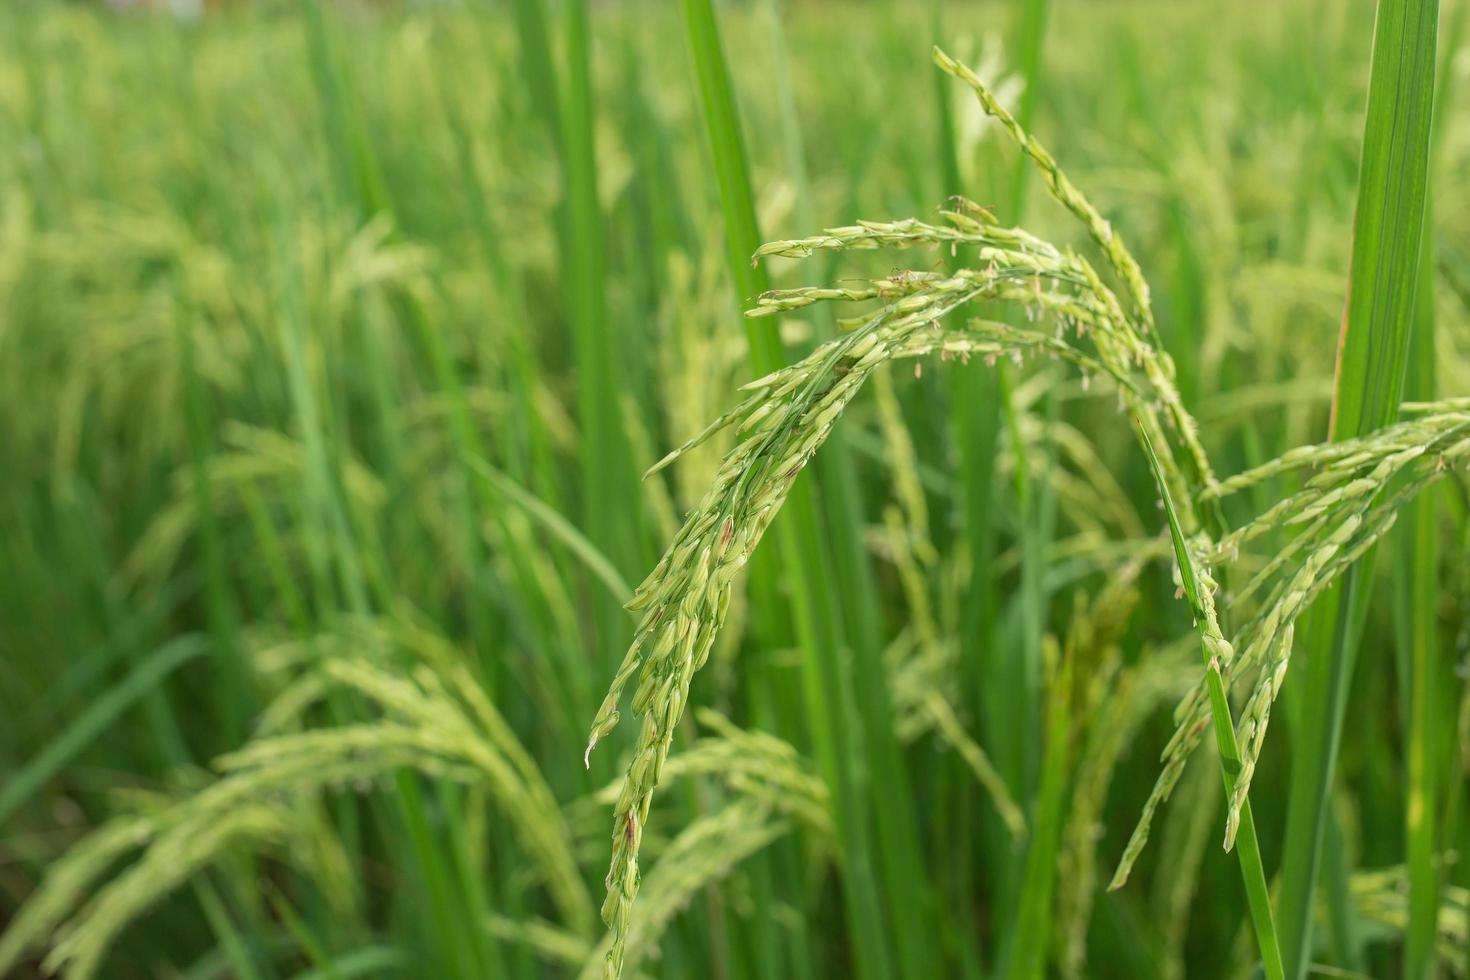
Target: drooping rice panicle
x=790 y=412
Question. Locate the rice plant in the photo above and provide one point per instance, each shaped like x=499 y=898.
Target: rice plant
x=334 y=340
x=1343 y=509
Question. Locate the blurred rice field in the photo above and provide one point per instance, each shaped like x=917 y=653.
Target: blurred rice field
x=335 y=341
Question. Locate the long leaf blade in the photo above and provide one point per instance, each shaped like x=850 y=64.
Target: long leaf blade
x=1372 y=357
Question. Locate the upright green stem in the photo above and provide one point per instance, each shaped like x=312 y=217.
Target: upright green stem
x=909 y=906
x=829 y=676
x=1372 y=355
x=1022 y=681
x=1030 y=506
x=610 y=492
x=1247 y=847
x=1428 y=716
x=232 y=685
x=1026 y=951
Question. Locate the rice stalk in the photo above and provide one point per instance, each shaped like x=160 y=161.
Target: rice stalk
x=1109 y=700
x=791 y=411
x=1416 y=606
x=1199 y=591
x=850 y=714
x=437 y=722
x=130 y=202
x=1341 y=513
x=707 y=850
x=788 y=413
x=1372 y=354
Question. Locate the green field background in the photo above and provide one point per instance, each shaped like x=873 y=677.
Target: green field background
x=335 y=341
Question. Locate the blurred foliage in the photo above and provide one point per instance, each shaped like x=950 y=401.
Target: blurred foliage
x=270 y=276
